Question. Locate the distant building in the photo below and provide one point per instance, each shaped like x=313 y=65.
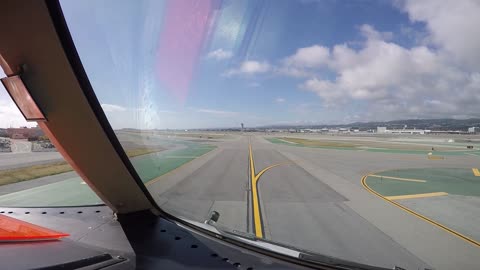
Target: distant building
x=406 y=131
x=381 y=129
x=311 y=130
x=473 y=129
x=24 y=132
x=384 y=130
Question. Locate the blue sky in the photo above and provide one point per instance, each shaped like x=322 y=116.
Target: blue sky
x=199 y=64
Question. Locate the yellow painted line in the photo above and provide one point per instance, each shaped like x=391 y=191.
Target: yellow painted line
x=257 y=217
x=398 y=178
x=268 y=168
x=476 y=172
x=408 y=210
x=255 y=201
x=414 y=196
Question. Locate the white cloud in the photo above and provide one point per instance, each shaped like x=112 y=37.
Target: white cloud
x=220 y=54
x=453 y=26
x=280 y=100
x=313 y=56
x=249 y=68
x=370 y=33
x=293 y=71
x=324 y=89
x=254 y=67
x=303 y=61
x=113 y=108
x=399 y=82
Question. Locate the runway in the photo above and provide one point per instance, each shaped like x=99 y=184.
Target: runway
x=312 y=199
x=307 y=198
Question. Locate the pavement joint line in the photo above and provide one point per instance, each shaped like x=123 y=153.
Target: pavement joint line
x=415 y=196
x=408 y=210
x=476 y=172
x=398 y=178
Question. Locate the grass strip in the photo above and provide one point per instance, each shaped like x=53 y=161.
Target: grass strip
x=141 y=151
x=16 y=175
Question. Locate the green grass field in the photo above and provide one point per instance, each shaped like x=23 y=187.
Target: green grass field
x=380 y=147
x=459 y=181
x=74 y=191
x=36 y=171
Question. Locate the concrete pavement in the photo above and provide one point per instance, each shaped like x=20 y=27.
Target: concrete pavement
x=315 y=201
x=312 y=199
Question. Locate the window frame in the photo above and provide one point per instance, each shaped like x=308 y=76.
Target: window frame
x=47 y=83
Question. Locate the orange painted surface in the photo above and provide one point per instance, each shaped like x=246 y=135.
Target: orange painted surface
x=12 y=229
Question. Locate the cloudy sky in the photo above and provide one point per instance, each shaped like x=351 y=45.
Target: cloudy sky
x=200 y=64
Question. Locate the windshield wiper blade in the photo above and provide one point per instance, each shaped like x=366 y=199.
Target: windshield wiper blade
x=212 y=221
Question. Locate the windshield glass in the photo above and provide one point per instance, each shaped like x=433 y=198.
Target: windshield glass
x=32 y=172
x=346 y=128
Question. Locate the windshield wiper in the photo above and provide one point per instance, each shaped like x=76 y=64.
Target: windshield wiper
x=212 y=221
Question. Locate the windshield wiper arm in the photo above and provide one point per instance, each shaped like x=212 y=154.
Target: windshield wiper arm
x=212 y=221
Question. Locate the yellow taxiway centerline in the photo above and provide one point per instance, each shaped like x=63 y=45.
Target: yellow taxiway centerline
x=257 y=217
x=476 y=172
x=255 y=201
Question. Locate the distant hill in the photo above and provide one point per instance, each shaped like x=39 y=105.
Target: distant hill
x=433 y=124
